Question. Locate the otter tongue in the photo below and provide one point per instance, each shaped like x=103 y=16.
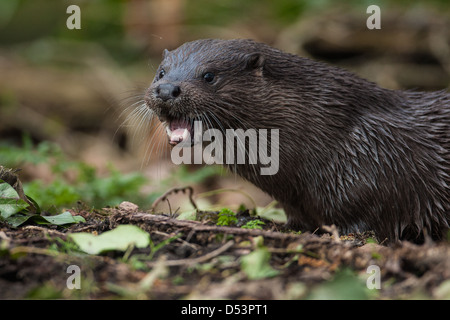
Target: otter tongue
x=180 y=131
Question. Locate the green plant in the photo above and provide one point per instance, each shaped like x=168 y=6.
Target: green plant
x=72 y=181
x=14 y=210
x=253 y=224
x=345 y=285
x=256 y=264
x=226 y=217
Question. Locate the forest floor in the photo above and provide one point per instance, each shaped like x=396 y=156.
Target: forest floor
x=200 y=260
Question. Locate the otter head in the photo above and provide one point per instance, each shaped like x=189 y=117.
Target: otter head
x=205 y=80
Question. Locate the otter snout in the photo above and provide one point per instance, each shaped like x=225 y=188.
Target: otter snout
x=167 y=91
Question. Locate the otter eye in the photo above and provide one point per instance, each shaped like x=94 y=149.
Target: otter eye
x=208 y=77
x=161 y=73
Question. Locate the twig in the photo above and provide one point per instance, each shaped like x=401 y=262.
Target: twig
x=175 y=190
x=184 y=242
x=46 y=230
x=334 y=232
x=199 y=227
x=202 y=259
x=170 y=208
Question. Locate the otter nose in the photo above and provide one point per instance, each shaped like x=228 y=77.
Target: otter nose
x=167 y=91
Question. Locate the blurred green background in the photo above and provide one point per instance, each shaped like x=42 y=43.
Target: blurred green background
x=75 y=88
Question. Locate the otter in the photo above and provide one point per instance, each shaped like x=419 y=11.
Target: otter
x=351 y=153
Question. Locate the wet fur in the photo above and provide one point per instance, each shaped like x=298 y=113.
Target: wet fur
x=351 y=153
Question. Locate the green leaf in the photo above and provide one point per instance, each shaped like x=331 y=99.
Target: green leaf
x=36 y=205
x=17 y=219
x=118 y=239
x=271 y=213
x=344 y=286
x=188 y=215
x=256 y=264
x=60 y=219
x=10 y=202
x=7 y=191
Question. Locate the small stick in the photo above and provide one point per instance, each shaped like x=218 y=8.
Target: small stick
x=175 y=190
x=197 y=226
x=333 y=230
x=202 y=259
x=46 y=231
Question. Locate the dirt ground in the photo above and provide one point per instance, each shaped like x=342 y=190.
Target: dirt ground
x=204 y=261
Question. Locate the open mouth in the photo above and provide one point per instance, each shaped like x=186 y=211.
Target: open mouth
x=180 y=130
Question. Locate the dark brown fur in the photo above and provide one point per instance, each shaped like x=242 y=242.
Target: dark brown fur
x=351 y=153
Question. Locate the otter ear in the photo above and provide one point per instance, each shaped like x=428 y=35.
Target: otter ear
x=165 y=53
x=254 y=61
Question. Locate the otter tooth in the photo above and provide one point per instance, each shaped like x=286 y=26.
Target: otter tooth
x=179 y=135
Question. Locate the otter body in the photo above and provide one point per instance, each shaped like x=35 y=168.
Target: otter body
x=350 y=153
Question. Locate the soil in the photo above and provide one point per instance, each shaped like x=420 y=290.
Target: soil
x=204 y=261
